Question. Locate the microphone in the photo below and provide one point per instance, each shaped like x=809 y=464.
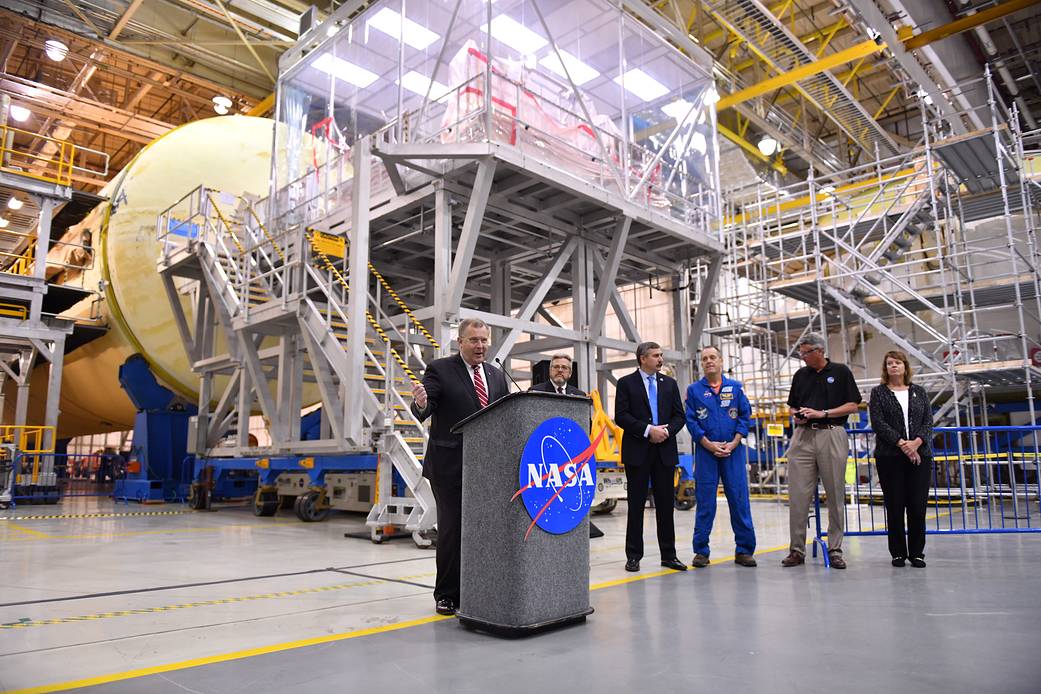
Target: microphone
x=507 y=372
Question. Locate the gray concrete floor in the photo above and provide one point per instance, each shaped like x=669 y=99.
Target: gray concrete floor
x=226 y=602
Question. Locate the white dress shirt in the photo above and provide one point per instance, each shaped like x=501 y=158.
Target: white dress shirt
x=903 y=397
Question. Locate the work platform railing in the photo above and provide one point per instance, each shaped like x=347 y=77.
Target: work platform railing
x=558 y=132
x=49 y=159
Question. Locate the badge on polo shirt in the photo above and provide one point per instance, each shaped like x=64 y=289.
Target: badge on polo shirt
x=831 y=379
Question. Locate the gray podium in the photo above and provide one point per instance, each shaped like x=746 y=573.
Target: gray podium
x=510 y=585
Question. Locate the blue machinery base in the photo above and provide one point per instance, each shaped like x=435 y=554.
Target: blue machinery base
x=217 y=479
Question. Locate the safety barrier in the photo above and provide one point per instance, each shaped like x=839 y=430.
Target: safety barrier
x=983 y=480
x=28 y=438
x=47 y=158
x=13 y=311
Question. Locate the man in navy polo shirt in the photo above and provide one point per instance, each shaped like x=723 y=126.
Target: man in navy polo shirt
x=718 y=417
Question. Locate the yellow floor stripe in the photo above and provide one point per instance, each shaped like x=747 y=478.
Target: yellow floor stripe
x=302 y=643
x=225 y=657
x=665 y=572
x=33 y=533
x=137 y=533
x=28 y=623
x=62 y=516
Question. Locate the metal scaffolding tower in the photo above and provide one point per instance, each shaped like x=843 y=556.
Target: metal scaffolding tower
x=933 y=253
x=466 y=179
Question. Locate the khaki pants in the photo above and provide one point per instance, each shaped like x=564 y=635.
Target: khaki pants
x=813 y=453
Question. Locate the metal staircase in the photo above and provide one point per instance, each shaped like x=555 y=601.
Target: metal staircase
x=264 y=286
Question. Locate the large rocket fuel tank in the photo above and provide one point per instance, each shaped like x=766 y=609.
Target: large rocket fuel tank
x=230 y=154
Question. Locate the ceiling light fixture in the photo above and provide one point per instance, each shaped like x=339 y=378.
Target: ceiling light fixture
x=828 y=190
x=580 y=72
x=419 y=84
x=19 y=113
x=221 y=104
x=3 y=222
x=15 y=203
x=343 y=70
x=768 y=146
x=643 y=86
x=403 y=29
x=55 y=50
x=520 y=38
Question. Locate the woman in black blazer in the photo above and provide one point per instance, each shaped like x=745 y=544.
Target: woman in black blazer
x=902 y=419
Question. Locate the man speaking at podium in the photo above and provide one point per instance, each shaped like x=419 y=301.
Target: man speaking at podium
x=453 y=388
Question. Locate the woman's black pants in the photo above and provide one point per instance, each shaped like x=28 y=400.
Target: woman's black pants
x=905 y=488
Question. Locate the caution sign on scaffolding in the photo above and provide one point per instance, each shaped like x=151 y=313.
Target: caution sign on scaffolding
x=775 y=430
x=330 y=244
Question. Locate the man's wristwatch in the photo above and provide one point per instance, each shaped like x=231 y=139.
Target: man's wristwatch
x=825 y=414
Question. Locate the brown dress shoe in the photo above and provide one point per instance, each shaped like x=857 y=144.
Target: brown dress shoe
x=793 y=559
x=700 y=561
x=836 y=560
x=745 y=560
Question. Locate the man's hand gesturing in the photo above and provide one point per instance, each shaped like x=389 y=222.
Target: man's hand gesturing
x=419 y=395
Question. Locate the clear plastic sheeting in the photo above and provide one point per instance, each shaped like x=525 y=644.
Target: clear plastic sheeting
x=578 y=84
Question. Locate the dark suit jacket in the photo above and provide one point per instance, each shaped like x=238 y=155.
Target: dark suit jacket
x=632 y=412
x=450 y=399
x=548 y=387
x=887 y=420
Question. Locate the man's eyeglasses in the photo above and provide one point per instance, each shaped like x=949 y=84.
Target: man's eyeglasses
x=808 y=352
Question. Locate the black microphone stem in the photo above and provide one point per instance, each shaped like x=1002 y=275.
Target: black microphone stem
x=507 y=372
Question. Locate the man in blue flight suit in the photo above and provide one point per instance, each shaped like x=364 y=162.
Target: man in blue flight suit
x=718 y=417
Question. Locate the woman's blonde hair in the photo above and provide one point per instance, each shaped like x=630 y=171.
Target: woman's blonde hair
x=896 y=354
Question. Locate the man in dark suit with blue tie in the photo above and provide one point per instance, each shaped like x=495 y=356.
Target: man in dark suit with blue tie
x=453 y=388
x=648 y=408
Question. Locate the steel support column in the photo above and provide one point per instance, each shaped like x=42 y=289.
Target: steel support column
x=357 y=300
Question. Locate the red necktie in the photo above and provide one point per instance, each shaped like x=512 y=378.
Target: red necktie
x=482 y=392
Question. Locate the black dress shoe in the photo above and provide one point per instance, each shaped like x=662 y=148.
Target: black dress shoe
x=918 y=562
x=674 y=564
x=445 y=606
x=632 y=565
x=898 y=561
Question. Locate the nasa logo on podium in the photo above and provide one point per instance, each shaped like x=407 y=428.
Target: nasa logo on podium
x=557 y=475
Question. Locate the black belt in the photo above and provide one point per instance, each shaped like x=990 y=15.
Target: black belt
x=821 y=425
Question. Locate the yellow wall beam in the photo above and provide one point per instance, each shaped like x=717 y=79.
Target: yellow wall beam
x=860 y=188
x=744 y=144
x=885 y=102
x=850 y=54
x=966 y=23
x=262 y=107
